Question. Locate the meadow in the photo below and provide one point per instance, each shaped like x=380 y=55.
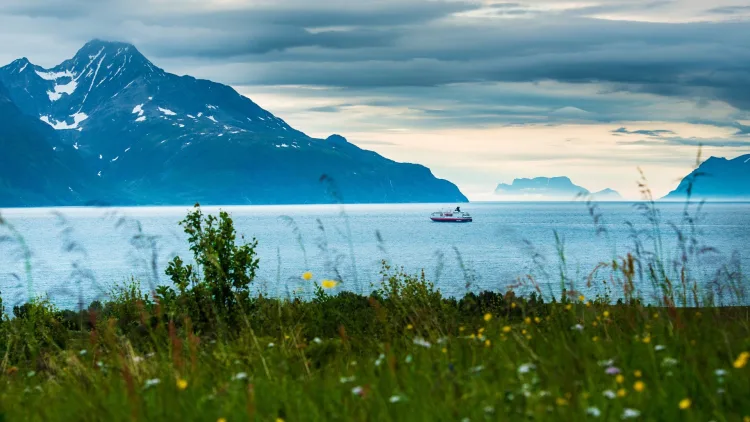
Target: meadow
x=205 y=349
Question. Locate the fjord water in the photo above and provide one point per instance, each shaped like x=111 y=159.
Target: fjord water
x=78 y=254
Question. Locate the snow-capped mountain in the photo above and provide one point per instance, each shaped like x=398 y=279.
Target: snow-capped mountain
x=152 y=137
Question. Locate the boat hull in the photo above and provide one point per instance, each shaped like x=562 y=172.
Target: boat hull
x=451 y=220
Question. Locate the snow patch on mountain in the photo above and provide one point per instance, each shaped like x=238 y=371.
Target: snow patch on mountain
x=167 y=112
x=141 y=119
x=53 y=76
x=212 y=118
x=138 y=109
x=68 y=88
x=63 y=125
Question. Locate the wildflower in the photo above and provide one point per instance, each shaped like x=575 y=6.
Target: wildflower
x=408 y=359
x=608 y=362
x=487 y=317
x=379 y=360
x=612 y=370
x=444 y=350
x=221 y=420
x=537 y=319
x=489 y=409
x=329 y=284
x=527 y=320
x=720 y=372
x=358 y=391
x=742 y=360
x=528 y=337
x=630 y=414
x=395 y=399
x=152 y=382
x=568 y=307
x=419 y=341
x=317 y=340
x=137 y=359
x=595 y=339
x=561 y=401
x=507 y=329
x=461 y=329
x=685 y=404
x=307 y=276
x=609 y=394
x=638 y=373
x=577 y=327
x=240 y=376
x=523 y=332
x=593 y=411
x=659 y=347
x=481 y=330
x=581 y=298
x=619 y=379
x=270 y=345
x=279 y=420
x=667 y=362
x=181 y=384
x=606 y=314
x=344 y=380
x=526 y=368
x=82 y=352
x=639 y=386
x=476 y=369
x=30 y=374
x=588 y=304
x=487 y=343
x=622 y=393
x=513 y=305
x=647 y=339
x=409 y=327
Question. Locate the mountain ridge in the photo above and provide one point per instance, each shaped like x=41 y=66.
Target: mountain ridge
x=147 y=136
x=559 y=188
x=717 y=178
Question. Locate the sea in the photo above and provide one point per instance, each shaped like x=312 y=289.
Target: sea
x=73 y=256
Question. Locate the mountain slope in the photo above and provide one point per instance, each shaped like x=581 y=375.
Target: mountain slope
x=34 y=166
x=151 y=137
x=550 y=189
x=717 y=179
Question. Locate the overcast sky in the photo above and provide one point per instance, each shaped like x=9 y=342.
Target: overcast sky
x=480 y=91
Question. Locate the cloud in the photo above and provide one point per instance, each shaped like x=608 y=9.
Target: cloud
x=692 y=141
x=654 y=133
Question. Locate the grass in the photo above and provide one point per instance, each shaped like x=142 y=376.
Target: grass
x=204 y=349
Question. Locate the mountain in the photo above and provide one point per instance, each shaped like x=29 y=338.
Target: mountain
x=148 y=137
x=550 y=189
x=717 y=179
x=34 y=166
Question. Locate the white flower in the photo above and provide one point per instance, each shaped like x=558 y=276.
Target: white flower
x=152 y=382
x=100 y=364
x=489 y=409
x=379 y=360
x=659 y=347
x=593 y=411
x=395 y=398
x=270 y=345
x=720 y=372
x=477 y=368
x=577 y=327
x=669 y=362
x=344 y=380
x=137 y=359
x=608 y=362
x=357 y=391
x=609 y=394
x=82 y=352
x=630 y=413
x=152 y=354
x=526 y=368
x=30 y=374
x=544 y=393
x=408 y=359
x=419 y=341
x=317 y=340
x=240 y=376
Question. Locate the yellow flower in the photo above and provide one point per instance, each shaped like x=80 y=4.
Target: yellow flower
x=472 y=336
x=528 y=337
x=647 y=339
x=594 y=323
x=622 y=393
x=537 y=319
x=279 y=420
x=581 y=298
x=746 y=419
x=481 y=330
x=487 y=316
x=506 y=329
x=595 y=339
x=588 y=304
x=221 y=420
x=527 y=320
x=461 y=329
x=698 y=314
x=523 y=332
x=619 y=379
x=685 y=404
x=307 y=276
x=329 y=284
x=487 y=343
x=742 y=360
x=445 y=350
x=639 y=386
x=561 y=401
x=513 y=305
x=638 y=373
x=409 y=327
x=181 y=384
x=606 y=314
x=568 y=307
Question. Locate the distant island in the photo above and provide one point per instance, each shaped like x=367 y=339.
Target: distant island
x=108 y=127
x=716 y=179
x=550 y=189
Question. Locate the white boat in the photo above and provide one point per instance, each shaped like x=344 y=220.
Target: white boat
x=455 y=216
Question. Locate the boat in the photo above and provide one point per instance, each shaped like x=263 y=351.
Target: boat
x=455 y=216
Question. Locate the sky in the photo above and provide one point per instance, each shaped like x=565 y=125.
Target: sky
x=480 y=91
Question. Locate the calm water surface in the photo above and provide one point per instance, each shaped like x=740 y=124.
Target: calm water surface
x=80 y=253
